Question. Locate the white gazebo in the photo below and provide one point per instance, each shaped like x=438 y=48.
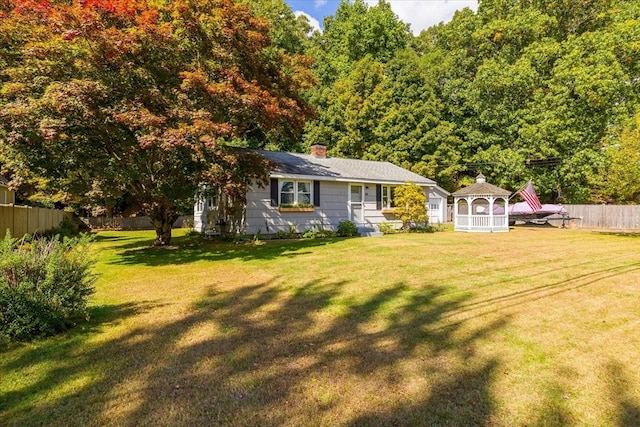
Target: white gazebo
x=481 y=207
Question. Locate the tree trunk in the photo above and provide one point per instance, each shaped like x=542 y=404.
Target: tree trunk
x=163 y=218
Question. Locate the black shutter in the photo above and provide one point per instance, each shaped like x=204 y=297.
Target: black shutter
x=274 y=191
x=379 y=196
x=316 y=193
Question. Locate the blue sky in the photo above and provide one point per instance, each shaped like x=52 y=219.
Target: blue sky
x=420 y=14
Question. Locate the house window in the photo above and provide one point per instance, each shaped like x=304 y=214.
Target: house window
x=212 y=202
x=387 y=197
x=207 y=201
x=434 y=206
x=295 y=192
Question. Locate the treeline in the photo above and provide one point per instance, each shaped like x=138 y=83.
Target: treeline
x=520 y=90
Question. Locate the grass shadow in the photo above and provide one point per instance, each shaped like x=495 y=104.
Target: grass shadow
x=619 y=233
x=246 y=357
x=188 y=249
x=621 y=391
x=463 y=400
x=318 y=350
x=59 y=352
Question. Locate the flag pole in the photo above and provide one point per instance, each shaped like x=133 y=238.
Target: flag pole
x=519 y=190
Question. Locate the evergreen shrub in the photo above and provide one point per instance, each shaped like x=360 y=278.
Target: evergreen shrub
x=347 y=229
x=44 y=285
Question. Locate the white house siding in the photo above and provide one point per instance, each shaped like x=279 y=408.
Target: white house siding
x=437 y=203
x=200 y=216
x=261 y=216
x=373 y=216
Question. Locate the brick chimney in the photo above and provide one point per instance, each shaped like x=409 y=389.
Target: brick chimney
x=319 y=151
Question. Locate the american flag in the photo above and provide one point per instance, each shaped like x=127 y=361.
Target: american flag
x=529 y=195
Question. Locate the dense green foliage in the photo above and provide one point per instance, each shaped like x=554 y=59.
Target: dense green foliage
x=621 y=175
x=536 y=90
x=347 y=229
x=520 y=90
x=44 y=285
x=410 y=205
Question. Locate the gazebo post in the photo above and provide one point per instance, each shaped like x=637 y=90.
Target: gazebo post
x=468 y=222
x=491 y=223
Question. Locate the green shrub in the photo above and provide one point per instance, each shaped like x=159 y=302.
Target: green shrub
x=422 y=229
x=291 y=234
x=310 y=234
x=411 y=205
x=318 y=234
x=318 y=231
x=326 y=233
x=347 y=229
x=44 y=285
x=67 y=228
x=281 y=235
x=386 y=228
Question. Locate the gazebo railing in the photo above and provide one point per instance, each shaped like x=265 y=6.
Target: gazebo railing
x=482 y=221
x=500 y=221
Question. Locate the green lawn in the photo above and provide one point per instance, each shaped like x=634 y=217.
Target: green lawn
x=536 y=327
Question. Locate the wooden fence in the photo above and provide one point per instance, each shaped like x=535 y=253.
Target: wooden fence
x=621 y=217
x=20 y=220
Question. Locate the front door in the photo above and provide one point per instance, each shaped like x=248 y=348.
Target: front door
x=356 y=203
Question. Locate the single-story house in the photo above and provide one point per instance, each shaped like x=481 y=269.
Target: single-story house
x=307 y=191
x=7 y=196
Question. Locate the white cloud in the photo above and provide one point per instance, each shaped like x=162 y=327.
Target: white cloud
x=315 y=24
x=422 y=14
x=320 y=3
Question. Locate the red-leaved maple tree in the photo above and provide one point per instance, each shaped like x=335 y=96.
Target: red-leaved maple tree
x=107 y=97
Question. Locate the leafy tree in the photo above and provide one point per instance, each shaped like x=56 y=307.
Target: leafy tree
x=533 y=88
x=347 y=62
x=288 y=32
x=410 y=204
x=356 y=31
x=621 y=176
x=356 y=112
x=104 y=97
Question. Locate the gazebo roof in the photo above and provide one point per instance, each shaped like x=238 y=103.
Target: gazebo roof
x=482 y=188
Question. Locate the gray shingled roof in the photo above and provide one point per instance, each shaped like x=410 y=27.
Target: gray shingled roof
x=3 y=181
x=482 y=188
x=334 y=168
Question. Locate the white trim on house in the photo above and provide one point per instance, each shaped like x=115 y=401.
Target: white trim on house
x=387 y=197
x=437 y=205
x=356 y=207
x=295 y=192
